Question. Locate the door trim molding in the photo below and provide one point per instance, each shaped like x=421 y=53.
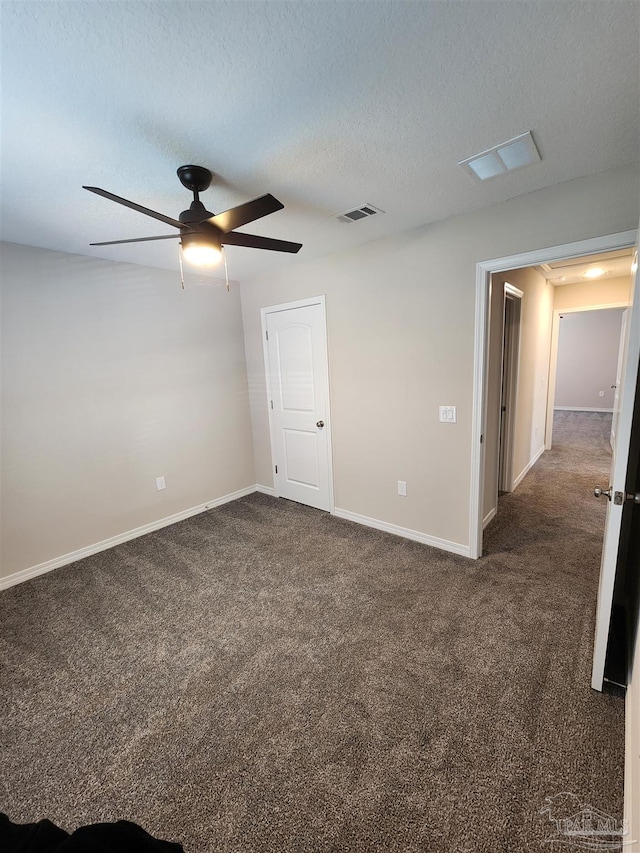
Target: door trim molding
x=288 y=306
x=505 y=480
x=512 y=290
x=484 y=270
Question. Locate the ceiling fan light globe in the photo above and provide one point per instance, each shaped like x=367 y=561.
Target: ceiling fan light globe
x=201 y=251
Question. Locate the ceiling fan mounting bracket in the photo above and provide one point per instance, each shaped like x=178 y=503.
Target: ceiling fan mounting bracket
x=195 y=178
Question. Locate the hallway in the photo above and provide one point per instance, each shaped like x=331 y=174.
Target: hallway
x=551 y=531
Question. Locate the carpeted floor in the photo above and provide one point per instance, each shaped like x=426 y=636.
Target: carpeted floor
x=266 y=677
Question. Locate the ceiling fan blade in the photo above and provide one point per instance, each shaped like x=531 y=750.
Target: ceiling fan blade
x=139 y=208
x=253 y=241
x=235 y=217
x=137 y=240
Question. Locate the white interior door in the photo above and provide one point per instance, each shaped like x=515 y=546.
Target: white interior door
x=617 y=485
x=616 y=392
x=298 y=387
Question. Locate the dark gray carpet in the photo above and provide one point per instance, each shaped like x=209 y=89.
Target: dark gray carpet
x=265 y=677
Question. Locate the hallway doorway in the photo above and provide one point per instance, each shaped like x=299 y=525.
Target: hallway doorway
x=486 y=272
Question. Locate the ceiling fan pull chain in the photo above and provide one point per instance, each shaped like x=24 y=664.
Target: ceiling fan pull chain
x=226 y=271
x=181 y=270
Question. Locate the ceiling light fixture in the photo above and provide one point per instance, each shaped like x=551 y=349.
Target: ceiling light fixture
x=505 y=157
x=594 y=272
x=202 y=250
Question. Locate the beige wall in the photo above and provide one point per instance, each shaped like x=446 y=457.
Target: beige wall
x=613 y=291
x=588 y=346
x=400 y=322
x=112 y=376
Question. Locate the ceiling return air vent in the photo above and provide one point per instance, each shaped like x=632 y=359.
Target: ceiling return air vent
x=357 y=213
x=506 y=157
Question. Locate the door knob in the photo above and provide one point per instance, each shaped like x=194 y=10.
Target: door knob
x=320 y=424
x=606 y=492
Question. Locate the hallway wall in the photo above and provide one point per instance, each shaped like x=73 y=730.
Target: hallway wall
x=588 y=347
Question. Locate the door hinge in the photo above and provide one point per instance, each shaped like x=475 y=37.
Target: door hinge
x=272 y=404
x=620 y=497
x=481 y=439
x=276 y=469
x=267 y=334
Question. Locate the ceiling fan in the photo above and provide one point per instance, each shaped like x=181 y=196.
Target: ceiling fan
x=201 y=233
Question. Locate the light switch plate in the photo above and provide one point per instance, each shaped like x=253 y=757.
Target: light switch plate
x=160 y=483
x=448 y=414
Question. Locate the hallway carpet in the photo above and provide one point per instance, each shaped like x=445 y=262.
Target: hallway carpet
x=267 y=677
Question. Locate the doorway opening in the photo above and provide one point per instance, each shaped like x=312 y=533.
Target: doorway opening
x=536 y=440
x=537 y=275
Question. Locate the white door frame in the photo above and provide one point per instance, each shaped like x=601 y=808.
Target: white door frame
x=510 y=362
x=553 y=363
x=287 y=306
x=484 y=270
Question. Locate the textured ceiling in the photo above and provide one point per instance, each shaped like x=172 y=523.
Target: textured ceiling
x=327 y=105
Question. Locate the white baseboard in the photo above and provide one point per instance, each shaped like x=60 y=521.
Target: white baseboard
x=81 y=553
x=489 y=517
x=579 y=409
x=524 y=473
x=406 y=532
x=265 y=490
x=73 y=556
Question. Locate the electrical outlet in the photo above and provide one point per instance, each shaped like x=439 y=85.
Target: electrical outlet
x=601 y=394
x=160 y=483
x=402 y=488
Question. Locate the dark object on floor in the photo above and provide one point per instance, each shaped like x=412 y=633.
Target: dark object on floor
x=46 y=837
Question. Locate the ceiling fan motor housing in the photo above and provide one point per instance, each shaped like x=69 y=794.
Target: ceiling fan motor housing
x=196 y=214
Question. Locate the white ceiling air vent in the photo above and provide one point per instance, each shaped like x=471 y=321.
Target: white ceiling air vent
x=505 y=157
x=361 y=212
